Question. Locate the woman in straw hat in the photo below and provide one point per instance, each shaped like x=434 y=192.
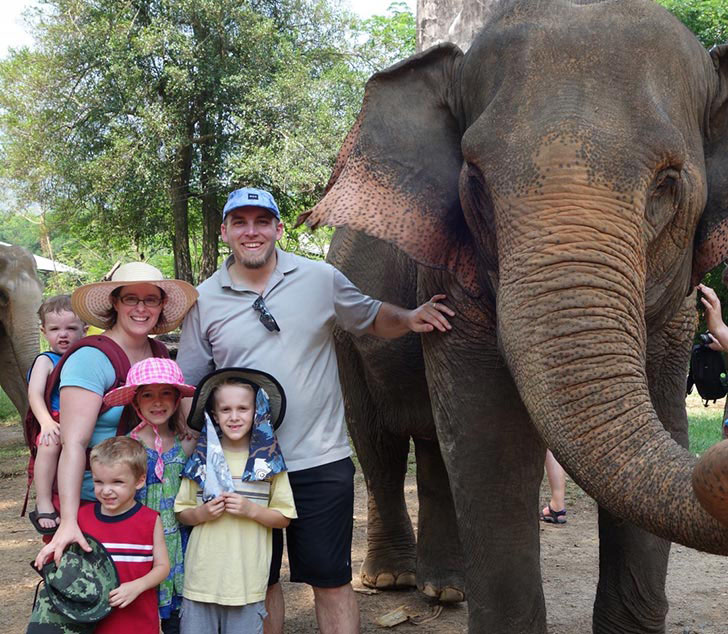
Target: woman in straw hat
x=135 y=303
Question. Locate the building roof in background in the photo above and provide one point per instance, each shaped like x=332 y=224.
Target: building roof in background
x=46 y=264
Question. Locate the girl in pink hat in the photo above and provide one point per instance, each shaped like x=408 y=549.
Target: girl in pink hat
x=153 y=389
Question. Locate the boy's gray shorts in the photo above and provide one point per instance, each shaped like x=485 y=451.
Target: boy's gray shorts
x=197 y=617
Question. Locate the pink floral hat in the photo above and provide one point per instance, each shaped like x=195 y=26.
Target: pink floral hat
x=152 y=371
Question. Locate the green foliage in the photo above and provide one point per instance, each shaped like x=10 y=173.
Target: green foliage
x=704 y=429
x=388 y=39
x=124 y=111
x=7 y=409
x=708 y=19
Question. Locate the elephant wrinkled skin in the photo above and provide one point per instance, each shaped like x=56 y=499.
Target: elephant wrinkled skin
x=20 y=297
x=565 y=182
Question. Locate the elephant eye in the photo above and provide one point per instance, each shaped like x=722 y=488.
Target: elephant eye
x=666 y=182
x=663 y=198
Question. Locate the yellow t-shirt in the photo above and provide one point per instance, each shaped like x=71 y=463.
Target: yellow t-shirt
x=228 y=559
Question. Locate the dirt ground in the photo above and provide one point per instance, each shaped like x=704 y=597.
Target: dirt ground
x=697 y=583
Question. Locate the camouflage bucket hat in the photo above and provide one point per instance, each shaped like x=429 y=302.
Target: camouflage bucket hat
x=75 y=594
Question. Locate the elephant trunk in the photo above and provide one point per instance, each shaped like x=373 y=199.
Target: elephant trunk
x=571 y=324
x=20 y=345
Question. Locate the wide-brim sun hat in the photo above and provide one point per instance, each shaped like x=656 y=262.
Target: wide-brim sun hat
x=257 y=378
x=92 y=302
x=79 y=587
x=151 y=371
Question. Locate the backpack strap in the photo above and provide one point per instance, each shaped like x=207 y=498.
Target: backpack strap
x=114 y=352
x=158 y=349
x=53 y=356
x=108 y=346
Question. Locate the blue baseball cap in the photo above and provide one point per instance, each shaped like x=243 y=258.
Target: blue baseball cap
x=250 y=197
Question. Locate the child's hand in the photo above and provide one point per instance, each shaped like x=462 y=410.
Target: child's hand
x=123 y=595
x=50 y=433
x=236 y=504
x=212 y=510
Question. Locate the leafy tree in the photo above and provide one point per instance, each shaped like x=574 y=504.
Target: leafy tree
x=123 y=121
x=386 y=38
x=130 y=121
x=708 y=19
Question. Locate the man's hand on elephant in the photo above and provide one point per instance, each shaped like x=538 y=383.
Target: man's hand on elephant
x=393 y=321
x=430 y=315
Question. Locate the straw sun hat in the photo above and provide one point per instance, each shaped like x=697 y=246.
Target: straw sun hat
x=92 y=302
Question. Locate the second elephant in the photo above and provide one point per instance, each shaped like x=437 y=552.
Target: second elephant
x=565 y=182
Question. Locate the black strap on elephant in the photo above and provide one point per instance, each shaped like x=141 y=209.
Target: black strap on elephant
x=120 y=363
x=707 y=373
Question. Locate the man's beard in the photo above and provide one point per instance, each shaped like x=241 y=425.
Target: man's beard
x=253 y=262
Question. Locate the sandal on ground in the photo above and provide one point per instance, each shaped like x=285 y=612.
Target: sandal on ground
x=34 y=516
x=554 y=517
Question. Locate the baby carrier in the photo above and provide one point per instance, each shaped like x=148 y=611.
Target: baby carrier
x=120 y=363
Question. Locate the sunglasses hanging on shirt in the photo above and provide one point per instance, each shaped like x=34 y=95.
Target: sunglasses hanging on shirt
x=266 y=318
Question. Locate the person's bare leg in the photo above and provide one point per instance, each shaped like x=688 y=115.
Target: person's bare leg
x=337 y=610
x=276 y=608
x=557 y=481
x=46 y=463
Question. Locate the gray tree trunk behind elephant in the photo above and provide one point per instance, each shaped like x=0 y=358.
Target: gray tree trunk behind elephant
x=20 y=297
x=566 y=184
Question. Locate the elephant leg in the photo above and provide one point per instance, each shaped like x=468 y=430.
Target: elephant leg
x=439 y=555
x=494 y=458
x=632 y=570
x=632 y=562
x=390 y=561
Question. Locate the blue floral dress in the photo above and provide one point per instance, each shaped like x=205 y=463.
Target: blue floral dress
x=159 y=496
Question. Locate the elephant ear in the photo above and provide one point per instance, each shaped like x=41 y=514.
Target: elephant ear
x=711 y=237
x=396 y=175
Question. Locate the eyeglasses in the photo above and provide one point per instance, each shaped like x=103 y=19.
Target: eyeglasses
x=151 y=301
x=265 y=317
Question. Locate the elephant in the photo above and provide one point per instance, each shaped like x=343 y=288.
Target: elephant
x=565 y=184
x=20 y=298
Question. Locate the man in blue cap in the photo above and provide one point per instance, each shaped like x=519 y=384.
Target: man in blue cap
x=275 y=311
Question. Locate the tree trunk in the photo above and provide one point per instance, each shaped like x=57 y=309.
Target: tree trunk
x=179 y=194
x=211 y=214
x=456 y=21
x=210 y=160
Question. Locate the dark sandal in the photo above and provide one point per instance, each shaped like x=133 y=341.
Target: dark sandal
x=554 y=517
x=34 y=516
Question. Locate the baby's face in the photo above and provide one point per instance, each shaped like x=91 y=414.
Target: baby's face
x=234 y=411
x=62 y=329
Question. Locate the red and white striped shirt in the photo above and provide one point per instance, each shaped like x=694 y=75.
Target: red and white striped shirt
x=129 y=539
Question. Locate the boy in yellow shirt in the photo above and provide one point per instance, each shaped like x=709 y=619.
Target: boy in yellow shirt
x=234 y=491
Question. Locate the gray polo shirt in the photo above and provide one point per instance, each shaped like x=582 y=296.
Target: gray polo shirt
x=307 y=298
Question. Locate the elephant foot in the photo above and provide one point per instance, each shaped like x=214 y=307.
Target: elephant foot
x=389 y=580
x=390 y=569
x=446 y=594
